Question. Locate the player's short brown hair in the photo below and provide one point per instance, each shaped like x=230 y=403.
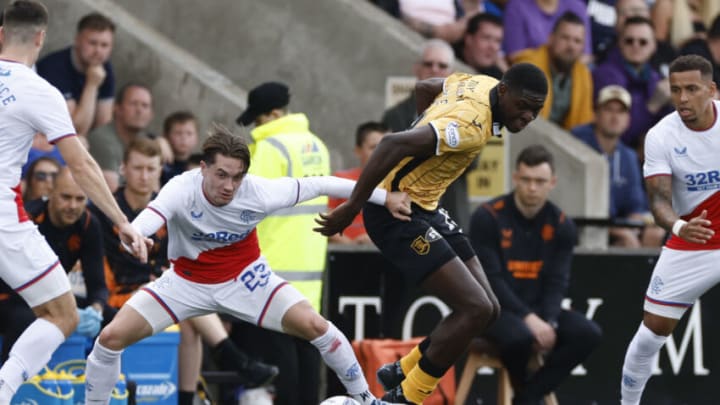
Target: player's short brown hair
x=22 y=19
x=222 y=141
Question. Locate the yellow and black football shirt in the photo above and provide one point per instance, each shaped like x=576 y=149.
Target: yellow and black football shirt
x=461 y=117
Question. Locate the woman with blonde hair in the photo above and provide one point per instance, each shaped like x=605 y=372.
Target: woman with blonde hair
x=678 y=21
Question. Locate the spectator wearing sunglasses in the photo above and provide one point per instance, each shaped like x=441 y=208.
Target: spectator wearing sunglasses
x=40 y=178
x=41 y=147
x=628 y=65
x=436 y=61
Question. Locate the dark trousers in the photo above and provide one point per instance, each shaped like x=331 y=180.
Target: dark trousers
x=298 y=361
x=576 y=338
x=15 y=317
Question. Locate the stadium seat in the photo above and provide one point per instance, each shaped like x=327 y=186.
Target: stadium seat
x=483 y=353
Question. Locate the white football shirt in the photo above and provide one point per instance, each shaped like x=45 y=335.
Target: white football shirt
x=28 y=104
x=692 y=158
x=213 y=244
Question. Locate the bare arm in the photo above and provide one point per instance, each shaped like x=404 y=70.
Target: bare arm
x=426 y=91
x=416 y=142
x=659 y=190
x=661 y=14
x=103 y=112
x=83 y=111
x=87 y=174
x=449 y=32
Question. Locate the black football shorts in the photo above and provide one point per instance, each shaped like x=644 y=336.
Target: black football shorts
x=419 y=247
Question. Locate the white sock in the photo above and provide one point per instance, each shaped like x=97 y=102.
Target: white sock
x=639 y=361
x=28 y=356
x=339 y=356
x=101 y=374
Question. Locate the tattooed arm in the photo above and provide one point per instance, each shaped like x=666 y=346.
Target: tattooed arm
x=659 y=190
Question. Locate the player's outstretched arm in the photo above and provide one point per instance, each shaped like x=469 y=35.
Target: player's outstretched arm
x=398 y=203
x=88 y=175
x=696 y=230
x=417 y=142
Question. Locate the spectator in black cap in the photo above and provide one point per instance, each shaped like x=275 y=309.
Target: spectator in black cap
x=284 y=146
x=266 y=102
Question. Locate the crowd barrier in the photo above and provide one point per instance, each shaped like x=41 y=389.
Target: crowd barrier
x=152 y=364
x=365 y=298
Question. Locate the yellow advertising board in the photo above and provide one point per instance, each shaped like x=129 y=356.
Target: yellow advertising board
x=488 y=179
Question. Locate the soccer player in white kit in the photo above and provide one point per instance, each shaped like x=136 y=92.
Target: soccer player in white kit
x=211 y=214
x=29 y=104
x=682 y=176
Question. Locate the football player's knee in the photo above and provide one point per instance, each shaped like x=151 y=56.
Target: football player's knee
x=112 y=337
x=482 y=311
x=316 y=325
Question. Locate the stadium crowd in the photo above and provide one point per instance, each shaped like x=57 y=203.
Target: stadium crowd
x=606 y=64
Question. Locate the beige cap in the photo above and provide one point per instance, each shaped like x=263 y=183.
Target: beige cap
x=614 y=92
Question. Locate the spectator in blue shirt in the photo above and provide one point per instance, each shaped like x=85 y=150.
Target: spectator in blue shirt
x=83 y=74
x=627 y=197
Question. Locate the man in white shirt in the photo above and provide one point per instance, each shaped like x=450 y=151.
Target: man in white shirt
x=211 y=214
x=29 y=104
x=682 y=178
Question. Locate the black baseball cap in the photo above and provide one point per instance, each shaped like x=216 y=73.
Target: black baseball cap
x=263 y=99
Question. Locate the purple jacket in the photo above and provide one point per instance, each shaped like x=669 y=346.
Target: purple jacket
x=641 y=87
x=531 y=27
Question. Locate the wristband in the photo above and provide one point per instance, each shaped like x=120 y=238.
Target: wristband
x=677 y=226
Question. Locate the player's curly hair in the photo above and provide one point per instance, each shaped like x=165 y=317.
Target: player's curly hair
x=222 y=141
x=526 y=76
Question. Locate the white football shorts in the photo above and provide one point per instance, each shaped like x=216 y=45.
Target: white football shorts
x=29 y=266
x=257 y=296
x=680 y=277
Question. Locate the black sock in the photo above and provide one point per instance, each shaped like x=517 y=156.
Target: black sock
x=228 y=357
x=431 y=369
x=185 y=397
x=423 y=346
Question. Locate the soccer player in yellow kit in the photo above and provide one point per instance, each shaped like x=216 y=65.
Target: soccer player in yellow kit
x=459 y=115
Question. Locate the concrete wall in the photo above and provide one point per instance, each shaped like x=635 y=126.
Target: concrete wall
x=177 y=79
x=334 y=54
